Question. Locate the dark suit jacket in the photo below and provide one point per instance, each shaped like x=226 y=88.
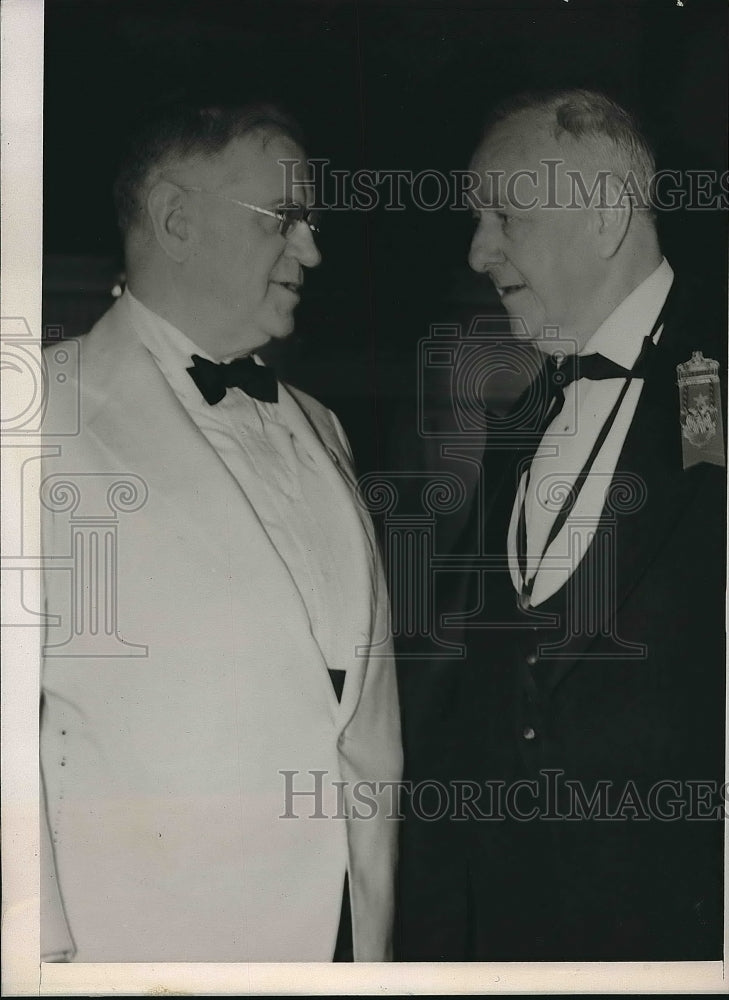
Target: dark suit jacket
x=612 y=686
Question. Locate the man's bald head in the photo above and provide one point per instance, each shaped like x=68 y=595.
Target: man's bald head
x=590 y=131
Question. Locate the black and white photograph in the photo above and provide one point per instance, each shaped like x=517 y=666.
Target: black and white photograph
x=364 y=537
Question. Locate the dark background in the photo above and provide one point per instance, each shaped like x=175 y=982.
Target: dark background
x=383 y=86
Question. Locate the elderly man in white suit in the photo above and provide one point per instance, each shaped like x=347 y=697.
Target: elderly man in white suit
x=218 y=685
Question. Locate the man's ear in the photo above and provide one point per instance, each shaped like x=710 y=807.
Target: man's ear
x=166 y=210
x=613 y=217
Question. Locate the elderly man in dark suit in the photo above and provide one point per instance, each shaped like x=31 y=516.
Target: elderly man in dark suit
x=588 y=735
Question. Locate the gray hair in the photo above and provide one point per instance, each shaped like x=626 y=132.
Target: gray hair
x=177 y=130
x=610 y=135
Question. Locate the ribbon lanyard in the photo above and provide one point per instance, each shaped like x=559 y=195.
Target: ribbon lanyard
x=566 y=508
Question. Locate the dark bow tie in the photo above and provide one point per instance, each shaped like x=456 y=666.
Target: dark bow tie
x=213 y=380
x=594 y=367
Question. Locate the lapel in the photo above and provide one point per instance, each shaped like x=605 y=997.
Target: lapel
x=139 y=425
x=317 y=432
x=650 y=464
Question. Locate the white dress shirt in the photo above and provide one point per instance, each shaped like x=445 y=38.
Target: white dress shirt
x=569 y=439
x=287 y=483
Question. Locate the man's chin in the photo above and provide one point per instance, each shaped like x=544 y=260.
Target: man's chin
x=547 y=339
x=277 y=322
x=276 y=333
x=522 y=329
x=273 y=348
x=281 y=330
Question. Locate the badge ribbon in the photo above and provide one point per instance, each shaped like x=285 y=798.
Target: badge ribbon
x=699 y=393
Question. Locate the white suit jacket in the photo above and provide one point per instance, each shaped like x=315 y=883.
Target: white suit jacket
x=184 y=693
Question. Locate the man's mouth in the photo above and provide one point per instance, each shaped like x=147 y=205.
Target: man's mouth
x=505 y=290
x=290 y=286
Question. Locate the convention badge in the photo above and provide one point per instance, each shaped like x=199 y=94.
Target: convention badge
x=699 y=393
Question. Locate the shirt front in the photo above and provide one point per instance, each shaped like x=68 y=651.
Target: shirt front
x=287 y=476
x=569 y=440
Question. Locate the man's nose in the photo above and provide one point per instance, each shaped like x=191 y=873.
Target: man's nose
x=486 y=245
x=302 y=246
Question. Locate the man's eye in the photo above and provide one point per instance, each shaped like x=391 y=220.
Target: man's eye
x=289 y=214
x=506 y=220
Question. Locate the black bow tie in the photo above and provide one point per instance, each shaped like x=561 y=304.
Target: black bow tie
x=595 y=367
x=591 y=366
x=213 y=380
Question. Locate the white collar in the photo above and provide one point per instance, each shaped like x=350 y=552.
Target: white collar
x=165 y=340
x=168 y=344
x=620 y=337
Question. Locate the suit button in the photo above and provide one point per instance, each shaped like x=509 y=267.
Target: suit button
x=532 y=658
x=528 y=733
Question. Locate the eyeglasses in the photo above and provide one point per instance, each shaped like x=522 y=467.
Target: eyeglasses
x=287 y=216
